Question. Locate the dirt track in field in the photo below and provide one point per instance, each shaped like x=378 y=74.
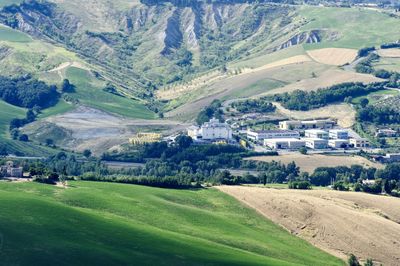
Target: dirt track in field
x=337 y=222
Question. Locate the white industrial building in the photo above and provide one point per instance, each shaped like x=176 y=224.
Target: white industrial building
x=316 y=143
x=316 y=134
x=285 y=143
x=211 y=131
x=338 y=134
x=259 y=135
x=338 y=143
x=360 y=143
x=307 y=124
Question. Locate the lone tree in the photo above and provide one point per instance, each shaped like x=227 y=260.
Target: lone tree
x=303 y=150
x=364 y=102
x=87 y=153
x=67 y=86
x=353 y=261
x=369 y=262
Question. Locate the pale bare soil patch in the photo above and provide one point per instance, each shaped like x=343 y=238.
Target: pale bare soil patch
x=308 y=163
x=333 y=56
x=287 y=61
x=337 y=222
x=69 y=64
x=89 y=128
x=326 y=79
x=393 y=52
x=343 y=113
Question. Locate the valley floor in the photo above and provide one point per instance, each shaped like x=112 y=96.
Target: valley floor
x=337 y=222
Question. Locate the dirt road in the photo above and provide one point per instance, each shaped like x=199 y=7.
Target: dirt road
x=337 y=222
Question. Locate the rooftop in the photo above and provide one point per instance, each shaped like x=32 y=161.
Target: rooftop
x=284 y=139
x=272 y=131
x=316 y=131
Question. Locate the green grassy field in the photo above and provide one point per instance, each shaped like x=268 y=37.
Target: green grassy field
x=116 y=224
x=259 y=87
x=357 y=27
x=389 y=64
x=4 y=3
x=10 y=35
x=7 y=113
x=89 y=92
x=60 y=108
x=376 y=96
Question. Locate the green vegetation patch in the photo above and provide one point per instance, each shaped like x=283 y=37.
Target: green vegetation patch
x=114 y=224
x=356 y=27
x=89 y=91
x=4 y=3
x=258 y=87
x=389 y=64
x=7 y=113
x=61 y=107
x=11 y=35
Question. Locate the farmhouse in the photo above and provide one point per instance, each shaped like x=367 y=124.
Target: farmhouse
x=285 y=143
x=338 y=134
x=338 y=143
x=213 y=130
x=307 y=124
x=9 y=170
x=316 y=143
x=316 y=134
x=271 y=134
x=360 y=143
x=390 y=133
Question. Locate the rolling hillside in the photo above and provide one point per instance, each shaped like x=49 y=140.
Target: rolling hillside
x=172 y=58
x=111 y=224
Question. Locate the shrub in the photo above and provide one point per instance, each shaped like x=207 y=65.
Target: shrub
x=299 y=185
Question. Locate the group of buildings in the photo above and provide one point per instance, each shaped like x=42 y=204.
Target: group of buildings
x=10 y=170
x=291 y=135
x=314 y=134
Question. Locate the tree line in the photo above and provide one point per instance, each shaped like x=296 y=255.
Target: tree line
x=304 y=101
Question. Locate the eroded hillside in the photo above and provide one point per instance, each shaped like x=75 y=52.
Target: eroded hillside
x=165 y=42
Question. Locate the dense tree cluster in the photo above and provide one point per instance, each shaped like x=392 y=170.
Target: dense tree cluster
x=303 y=100
x=27 y=92
x=342 y=178
x=378 y=115
x=365 y=51
x=254 y=106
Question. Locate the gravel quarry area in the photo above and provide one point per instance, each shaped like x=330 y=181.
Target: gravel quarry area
x=337 y=222
x=89 y=128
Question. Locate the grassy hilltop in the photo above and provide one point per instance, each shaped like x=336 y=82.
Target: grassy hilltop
x=108 y=224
